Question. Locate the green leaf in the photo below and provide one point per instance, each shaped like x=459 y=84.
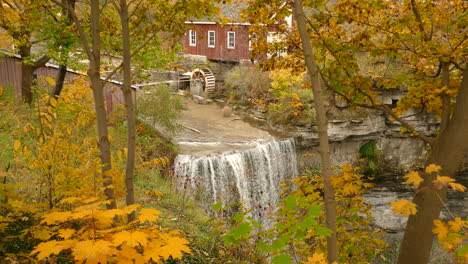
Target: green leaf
x=290 y=202
x=236 y=234
x=281 y=259
x=280 y=226
x=463 y=251
x=216 y=207
x=323 y=231
x=315 y=211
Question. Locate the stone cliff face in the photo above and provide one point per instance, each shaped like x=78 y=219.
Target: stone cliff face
x=398 y=152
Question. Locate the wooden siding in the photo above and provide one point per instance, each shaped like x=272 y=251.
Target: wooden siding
x=10 y=74
x=240 y=53
x=10 y=77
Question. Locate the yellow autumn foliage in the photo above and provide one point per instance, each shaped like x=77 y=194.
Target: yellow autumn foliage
x=413 y=178
x=403 y=207
x=57 y=158
x=450 y=234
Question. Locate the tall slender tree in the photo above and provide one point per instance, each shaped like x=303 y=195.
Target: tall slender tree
x=322 y=124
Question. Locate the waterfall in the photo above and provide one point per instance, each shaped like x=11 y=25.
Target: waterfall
x=250 y=177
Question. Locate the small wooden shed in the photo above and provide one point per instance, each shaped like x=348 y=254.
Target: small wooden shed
x=10 y=77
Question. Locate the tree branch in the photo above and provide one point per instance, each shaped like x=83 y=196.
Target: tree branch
x=41 y=62
x=109 y=76
x=81 y=32
x=419 y=20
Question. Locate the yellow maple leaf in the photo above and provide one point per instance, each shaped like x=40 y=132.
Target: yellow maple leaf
x=128 y=254
x=432 y=168
x=56 y=217
x=46 y=249
x=131 y=208
x=350 y=189
x=441 y=229
x=16 y=145
x=50 y=81
x=174 y=247
x=66 y=233
x=442 y=181
x=106 y=217
x=457 y=187
x=92 y=251
x=177 y=245
x=457 y=224
x=132 y=239
x=148 y=214
x=317 y=258
x=53 y=101
x=413 y=178
x=403 y=207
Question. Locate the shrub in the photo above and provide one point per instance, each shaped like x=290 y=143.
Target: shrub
x=244 y=82
x=159 y=107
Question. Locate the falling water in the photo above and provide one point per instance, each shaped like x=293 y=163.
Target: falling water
x=249 y=177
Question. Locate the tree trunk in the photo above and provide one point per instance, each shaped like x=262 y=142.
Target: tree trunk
x=63 y=66
x=322 y=124
x=97 y=85
x=59 y=81
x=448 y=152
x=27 y=71
x=130 y=108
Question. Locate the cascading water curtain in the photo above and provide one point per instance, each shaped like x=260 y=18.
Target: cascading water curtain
x=248 y=179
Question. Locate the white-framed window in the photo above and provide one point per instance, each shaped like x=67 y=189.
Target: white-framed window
x=192 y=38
x=211 y=39
x=231 y=39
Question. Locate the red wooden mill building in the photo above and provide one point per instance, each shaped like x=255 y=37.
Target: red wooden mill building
x=220 y=43
x=227 y=43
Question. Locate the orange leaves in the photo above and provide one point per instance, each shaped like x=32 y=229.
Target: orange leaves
x=413 y=178
x=45 y=249
x=440 y=229
x=50 y=81
x=432 y=168
x=92 y=251
x=173 y=246
x=317 y=258
x=66 y=233
x=349 y=182
x=163 y=162
x=403 y=207
x=56 y=217
x=132 y=239
x=444 y=181
x=451 y=237
x=148 y=214
x=16 y=145
x=105 y=237
x=457 y=224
